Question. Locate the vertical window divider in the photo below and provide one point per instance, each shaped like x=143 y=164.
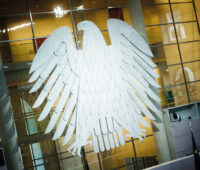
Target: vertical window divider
x=179 y=50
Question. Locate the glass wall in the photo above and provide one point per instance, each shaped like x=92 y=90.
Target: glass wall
x=173 y=35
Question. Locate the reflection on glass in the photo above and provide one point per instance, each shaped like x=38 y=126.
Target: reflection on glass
x=187 y=32
x=45 y=24
x=192 y=71
x=180 y=95
x=15 y=27
x=46 y=5
x=160 y=14
x=183 y=12
x=165 y=55
x=161 y=34
x=170 y=75
x=194 y=91
x=190 y=51
x=167 y=97
x=13 y=7
x=175 y=75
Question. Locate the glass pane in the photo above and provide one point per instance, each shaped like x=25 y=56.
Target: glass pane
x=194 y=91
x=165 y=55
x=22 y=50
x=183 y=12
x=116 y=13
x=180 y=95
x=86 y=4
x=113 y=3
x=148 y=2
x=159 y=14
x=126 y=16
x=99 y=17
x=45 y=24
x=26 y=156
x=167 y=97
x=117 y=156
x=149 y=130
x=187 y=32
x=197 y=4
x=6 y=54
x=92 y=161
x=72 y=163
x=190 y=51
x=93 y=4
x=170 y=75
x=15 y=27
x=146 y=148
x=161 y=34
x=46 y=5
x=13 y=7
x=192 y=71
x=106 y=37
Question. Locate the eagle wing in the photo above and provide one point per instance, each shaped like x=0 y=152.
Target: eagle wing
x=55 y=67
x=136 y=95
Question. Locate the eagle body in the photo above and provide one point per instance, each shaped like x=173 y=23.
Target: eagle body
x=103 y=88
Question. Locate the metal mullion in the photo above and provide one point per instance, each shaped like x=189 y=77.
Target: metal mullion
x=7 y=41
x=99 y=160
x=14 y=15
x=195 y=81
x=161 y=45
x=105 y=1
x=170 y=23
x=134 y=151
x=171 y=86
x=153 y=25
x=185 y=22
x=33 y=31
x=184 y=42
x=195 y=12
x=57 y=159
x=167 y=3
x=110 y=7
x=184 y=76
x=24 y=114
x=73 y=24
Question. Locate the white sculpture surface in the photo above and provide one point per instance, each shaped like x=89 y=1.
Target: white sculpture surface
x=102 y=88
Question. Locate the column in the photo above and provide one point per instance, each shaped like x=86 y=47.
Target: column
x=160 y=135
x=7 y=128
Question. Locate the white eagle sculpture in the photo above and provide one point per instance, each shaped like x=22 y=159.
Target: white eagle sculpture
x=98 y=89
